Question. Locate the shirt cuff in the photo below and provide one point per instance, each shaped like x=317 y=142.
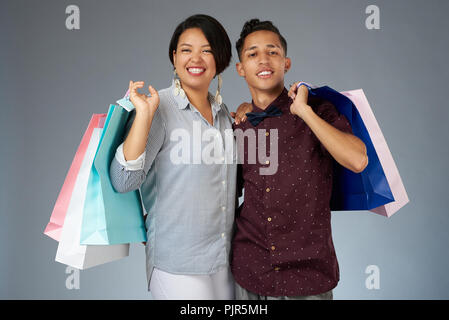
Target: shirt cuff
x=130 y=165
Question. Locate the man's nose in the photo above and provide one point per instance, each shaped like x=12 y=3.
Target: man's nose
x=263 y=58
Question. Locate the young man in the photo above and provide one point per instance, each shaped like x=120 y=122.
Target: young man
x=282 y=247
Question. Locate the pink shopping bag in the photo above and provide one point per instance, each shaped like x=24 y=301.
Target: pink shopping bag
x=70 y=252
x=54 y=227
x=383 y=152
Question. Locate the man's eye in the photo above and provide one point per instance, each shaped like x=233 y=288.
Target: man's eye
x=273 y=52
x=252 y=54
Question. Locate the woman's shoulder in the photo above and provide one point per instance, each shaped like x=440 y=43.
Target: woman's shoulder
x=164 y=94
x=225 y=110
x=166 y=101
x=164 y=91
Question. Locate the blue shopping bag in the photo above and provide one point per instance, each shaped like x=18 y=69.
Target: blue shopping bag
x=356 y=191
x=110 y=217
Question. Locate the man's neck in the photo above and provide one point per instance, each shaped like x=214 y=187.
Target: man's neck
x=263 y=98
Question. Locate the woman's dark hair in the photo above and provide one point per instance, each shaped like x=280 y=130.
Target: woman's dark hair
x=254 y=25
x=214 y=33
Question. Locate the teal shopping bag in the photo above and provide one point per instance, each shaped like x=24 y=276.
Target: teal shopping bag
x=110 y=217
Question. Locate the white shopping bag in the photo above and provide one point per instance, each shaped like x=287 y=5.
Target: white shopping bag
x=70 y=252
x=383 y=152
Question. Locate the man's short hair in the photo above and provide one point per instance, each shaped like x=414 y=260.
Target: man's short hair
x=254 y=25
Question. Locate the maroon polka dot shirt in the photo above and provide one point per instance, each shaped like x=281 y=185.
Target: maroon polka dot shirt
x=283 y=241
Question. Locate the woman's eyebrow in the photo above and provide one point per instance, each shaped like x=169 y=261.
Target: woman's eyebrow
x=189 y=45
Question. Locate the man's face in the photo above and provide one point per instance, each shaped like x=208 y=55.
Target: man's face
x=263 y=63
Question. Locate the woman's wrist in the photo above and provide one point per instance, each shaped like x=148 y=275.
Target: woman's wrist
x=145 y=114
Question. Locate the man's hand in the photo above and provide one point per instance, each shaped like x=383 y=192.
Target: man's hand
x=348 y=150
x=299 y=97
x=240 y=115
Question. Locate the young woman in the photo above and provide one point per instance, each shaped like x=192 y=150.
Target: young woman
x=190 y=200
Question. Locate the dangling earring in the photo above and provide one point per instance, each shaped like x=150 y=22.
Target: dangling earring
x=178 y=89
x=218 y=97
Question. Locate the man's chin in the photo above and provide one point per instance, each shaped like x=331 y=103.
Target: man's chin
x=268 y=85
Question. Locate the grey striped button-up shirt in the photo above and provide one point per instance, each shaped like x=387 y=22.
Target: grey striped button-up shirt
x=187 y=181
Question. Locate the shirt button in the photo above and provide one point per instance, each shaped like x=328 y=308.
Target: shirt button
x=273 y=248
x=222 y=235
x=267 y=133
x=267 y=162
x=277 y=269
x=223 y=208
x=223 y=182
x=269 y=219
x=267 y=189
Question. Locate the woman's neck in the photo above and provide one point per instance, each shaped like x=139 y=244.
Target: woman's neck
x=198 y=97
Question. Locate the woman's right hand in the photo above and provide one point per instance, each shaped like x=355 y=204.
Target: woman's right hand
x=142 y=102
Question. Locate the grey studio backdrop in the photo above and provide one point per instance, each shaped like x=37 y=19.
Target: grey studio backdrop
x=53 y=79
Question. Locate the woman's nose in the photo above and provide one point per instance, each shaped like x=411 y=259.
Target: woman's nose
x=196 y=56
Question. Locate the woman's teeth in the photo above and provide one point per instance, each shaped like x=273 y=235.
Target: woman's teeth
x=195 y=70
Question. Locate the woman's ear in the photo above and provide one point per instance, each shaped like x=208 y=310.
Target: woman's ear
x=174 y=58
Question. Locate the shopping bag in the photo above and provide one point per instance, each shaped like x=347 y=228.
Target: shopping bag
x=69 y=251
x=370 y=189
x=54 y=227
x=111 y=217
x=383 y=152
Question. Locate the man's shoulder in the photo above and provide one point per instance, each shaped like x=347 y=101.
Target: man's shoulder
x=316 y=102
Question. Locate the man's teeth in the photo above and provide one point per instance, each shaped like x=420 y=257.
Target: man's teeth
x=264 y=73
x=196 y=70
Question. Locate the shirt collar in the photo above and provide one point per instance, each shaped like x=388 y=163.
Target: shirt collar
x=183 y=102
x=282 y=101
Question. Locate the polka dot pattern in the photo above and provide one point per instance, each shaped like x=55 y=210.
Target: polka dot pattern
x=283 y=241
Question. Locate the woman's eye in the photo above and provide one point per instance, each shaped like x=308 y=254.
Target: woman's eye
x=207 y=51
x=185 y=50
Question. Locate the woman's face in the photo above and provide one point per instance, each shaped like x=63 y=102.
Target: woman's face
x=193 y=60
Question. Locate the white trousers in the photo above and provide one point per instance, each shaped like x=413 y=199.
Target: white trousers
x=169 y=286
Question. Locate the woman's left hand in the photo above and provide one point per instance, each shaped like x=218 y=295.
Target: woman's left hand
x=242 y=110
